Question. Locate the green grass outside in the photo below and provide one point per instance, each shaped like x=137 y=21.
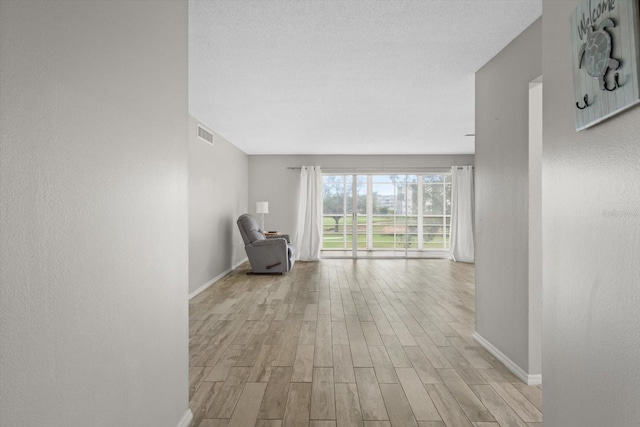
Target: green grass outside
x=382 y=240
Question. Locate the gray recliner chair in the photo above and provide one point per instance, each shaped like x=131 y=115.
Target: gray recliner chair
x=266 y=254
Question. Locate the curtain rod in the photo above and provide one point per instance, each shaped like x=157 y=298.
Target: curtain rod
x=382 y=169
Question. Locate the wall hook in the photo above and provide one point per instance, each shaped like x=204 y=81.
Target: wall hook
x=616 y=84
x=586 y=103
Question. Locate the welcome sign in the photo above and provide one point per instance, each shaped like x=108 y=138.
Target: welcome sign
x=605 y=52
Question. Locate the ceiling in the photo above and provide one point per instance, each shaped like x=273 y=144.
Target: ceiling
x=345 y=77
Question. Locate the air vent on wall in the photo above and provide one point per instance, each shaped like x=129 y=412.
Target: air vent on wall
x=205 y=135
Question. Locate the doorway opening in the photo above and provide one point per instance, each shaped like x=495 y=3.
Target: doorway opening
x=535 y=231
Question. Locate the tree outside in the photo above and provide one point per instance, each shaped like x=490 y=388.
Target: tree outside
x=334 y=202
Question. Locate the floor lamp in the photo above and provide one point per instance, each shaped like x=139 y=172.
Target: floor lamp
x=262 y=208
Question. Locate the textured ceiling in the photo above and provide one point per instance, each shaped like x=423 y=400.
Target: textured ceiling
x=345 y=77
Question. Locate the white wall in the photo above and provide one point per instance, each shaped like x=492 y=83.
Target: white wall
x=93 y=195
x=591 y=219
x=270 y=180
x=218 y=194
x=502 y=185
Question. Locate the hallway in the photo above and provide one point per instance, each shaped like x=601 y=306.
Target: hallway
x=343 y=342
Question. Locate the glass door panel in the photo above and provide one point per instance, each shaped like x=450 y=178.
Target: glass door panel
x=360 y=213
x=336 y=212
x=412 y=241
x=436 y=211
x=382 y=229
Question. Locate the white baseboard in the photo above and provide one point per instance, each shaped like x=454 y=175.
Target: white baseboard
x=535 y=379
x=186 y=419
x=510 y=364
x=218 y=277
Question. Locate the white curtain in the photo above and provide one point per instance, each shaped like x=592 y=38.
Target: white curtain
x=462 y=207
x=308 y=237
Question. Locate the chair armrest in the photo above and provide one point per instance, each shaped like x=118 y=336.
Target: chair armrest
x=279 y=236
x=272 y=241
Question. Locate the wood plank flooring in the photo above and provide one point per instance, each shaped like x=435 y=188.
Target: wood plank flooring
x=349 y=343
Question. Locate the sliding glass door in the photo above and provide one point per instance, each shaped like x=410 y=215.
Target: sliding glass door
x=386 y=215
x=344 y=231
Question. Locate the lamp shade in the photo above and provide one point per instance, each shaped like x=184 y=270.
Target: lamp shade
x=262 y=207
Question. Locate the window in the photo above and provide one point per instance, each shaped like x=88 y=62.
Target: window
x=398 y=213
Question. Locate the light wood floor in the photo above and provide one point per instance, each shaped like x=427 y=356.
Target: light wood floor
x=339 y=343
